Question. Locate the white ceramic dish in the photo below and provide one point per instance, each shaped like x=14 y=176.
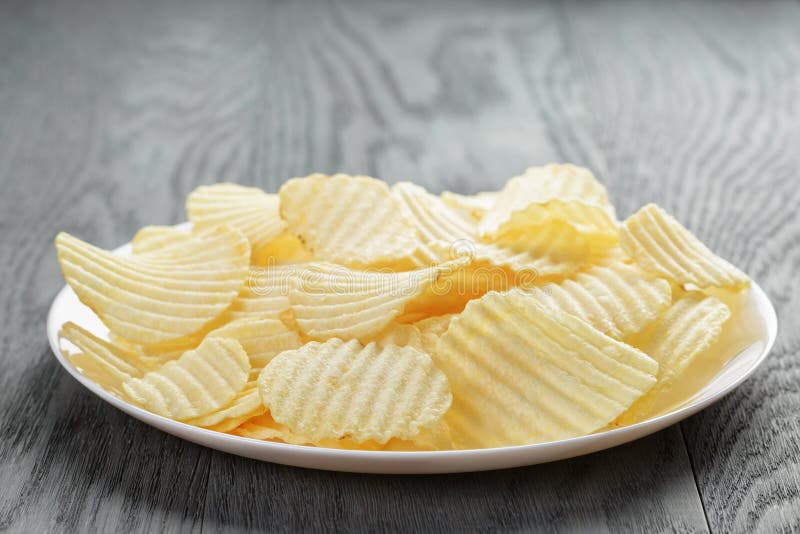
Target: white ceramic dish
x=748 y=352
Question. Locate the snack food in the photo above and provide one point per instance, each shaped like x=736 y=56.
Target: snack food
x=343 y=313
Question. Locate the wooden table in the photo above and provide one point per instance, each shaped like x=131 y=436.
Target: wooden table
x=110 y=113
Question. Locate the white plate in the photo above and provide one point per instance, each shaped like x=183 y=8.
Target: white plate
x=752 y=338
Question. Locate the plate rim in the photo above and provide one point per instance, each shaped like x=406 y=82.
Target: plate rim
x=414 y=462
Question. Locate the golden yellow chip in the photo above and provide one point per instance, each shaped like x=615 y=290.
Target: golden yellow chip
x=105 y=363
x=334 y=301
x=660 y=244
x=151 y=299
x=351 y=220
x=283 y=250
x=340 y=389
x=431 y=329
x=618 y=300
x=473 y=205
x=401 y=335
x=198 y=383
x=248 y=209
x=686 y=330
x=265 y=293
x=261 y=337
x=158 y=239
x=553 y=193
x=523 y=372
x=246 y=405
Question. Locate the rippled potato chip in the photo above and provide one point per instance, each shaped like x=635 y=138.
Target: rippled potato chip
x=351 y=220
x=552 y=193
x=340 y=389
x=522 y=372
x=198 y=383
x=261 y=337
x=246 y=405
x=158 y=239
x=333 y=301
x=660 y=244
x=473 y=205
x=685 y=331
x=105 y=363
x=248 y=209
x=150 y=298
x=619 y=300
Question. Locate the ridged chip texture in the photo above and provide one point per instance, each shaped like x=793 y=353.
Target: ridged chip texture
x=685 y=331
x=246 y=405
x=149 y=298
x=248 y=209
x=105 y=363
x=158 y=239
x=333 y=301
x=265 y=292
x=261 y=337
x=523 y=372
x=660 y=244
x=552 y=192
x=473 y=205
x=198 y=383
x=351 y=220
x=342 y=389
x=619 y=300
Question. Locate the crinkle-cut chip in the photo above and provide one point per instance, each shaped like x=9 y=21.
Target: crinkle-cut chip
x=246 y=405
x=286 y=249
x=431 y=329
x=341 y=389
x=474 y=205
x=611 y=256
x=265 y=293
x=432 y=218
x=351 y=220
x=261 y=337
x=523 y=372
x=452 y=292
x=105 y=363
x=150 y=299
x=684 y=332
x=158 y=238
x=248 y=209
x=660 y=244
x=401 y=335
x=554 y=192
x=334 y=301
x=198 y=383
x=265 y=428
x=619 y=300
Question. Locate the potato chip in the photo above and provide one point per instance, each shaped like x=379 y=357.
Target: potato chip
x=151 y=299
x=523 y=372
x=351 y=220
x=246 y=405
x=660 y=244
x=158 y=238
x=248 y=209
x=474 y=205
x=552 y=193
x=107 y=364
x=401 y=335
x=261 y=337
x=685 y=331
x=265 y=293
x=285 y=249
x=334 y=301
x=618 y=300
x=343 y=389
x=432 y=218
x=198 y=383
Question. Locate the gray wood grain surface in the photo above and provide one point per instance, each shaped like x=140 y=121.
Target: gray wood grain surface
x=111 y=112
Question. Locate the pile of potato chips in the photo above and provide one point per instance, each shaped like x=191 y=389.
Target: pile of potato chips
x=345 y=313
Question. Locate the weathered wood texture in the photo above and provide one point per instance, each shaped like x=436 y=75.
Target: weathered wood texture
x=111 y=112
